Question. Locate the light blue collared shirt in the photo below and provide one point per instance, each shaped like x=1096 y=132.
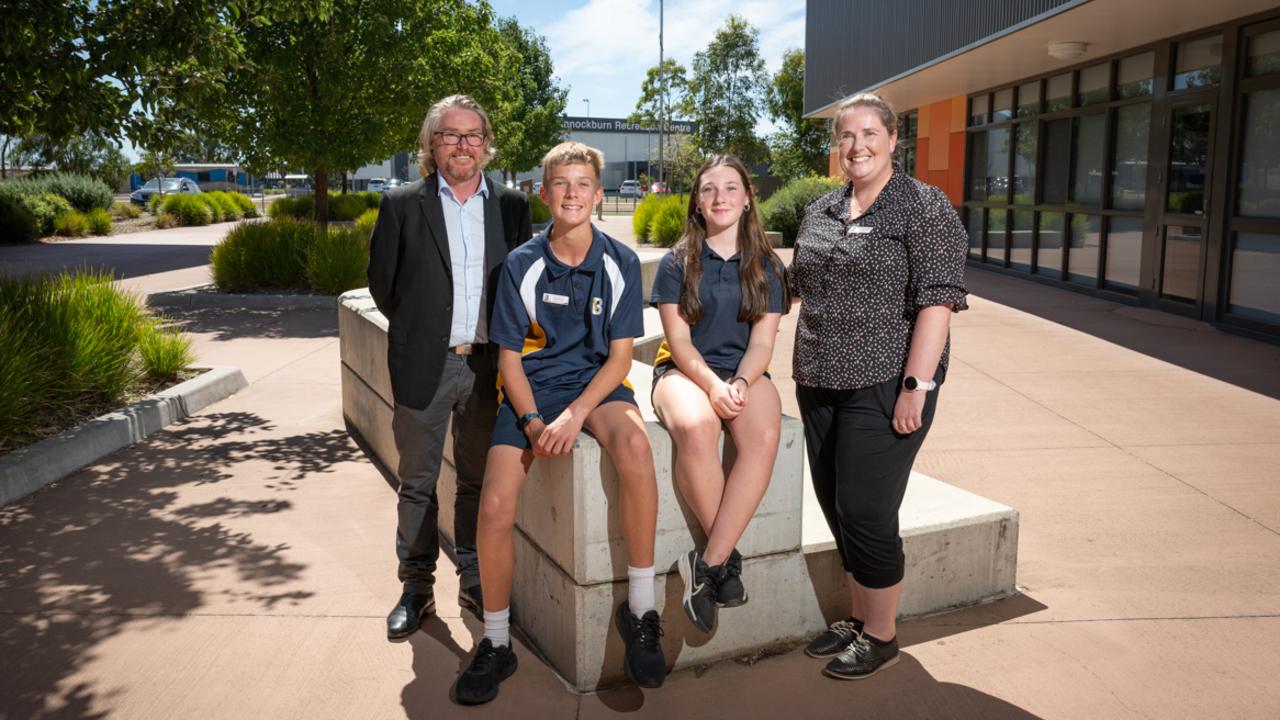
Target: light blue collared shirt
x=464 y=224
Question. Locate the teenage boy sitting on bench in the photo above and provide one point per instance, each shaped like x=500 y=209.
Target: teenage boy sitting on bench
x=567 y=309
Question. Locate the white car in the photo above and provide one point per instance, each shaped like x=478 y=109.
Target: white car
x=631 y=188
x=171 y=185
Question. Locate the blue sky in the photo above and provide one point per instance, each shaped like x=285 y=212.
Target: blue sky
x=602 y=48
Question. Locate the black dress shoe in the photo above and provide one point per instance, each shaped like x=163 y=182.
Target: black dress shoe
x=406 y=616
x=472 y=600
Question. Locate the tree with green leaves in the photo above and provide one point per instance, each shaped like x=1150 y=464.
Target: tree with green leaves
x=528 y=123
x=672 y=78
x=726 y=87
x=799 y=147
x=88 y=153
x=156 y=165
x=338 y=91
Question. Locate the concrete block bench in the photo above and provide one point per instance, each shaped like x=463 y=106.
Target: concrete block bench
x=571 y=563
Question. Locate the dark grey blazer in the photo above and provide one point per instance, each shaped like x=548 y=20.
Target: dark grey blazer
x=410 y=277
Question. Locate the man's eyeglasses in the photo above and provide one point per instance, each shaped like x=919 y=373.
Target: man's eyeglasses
x=453 y=138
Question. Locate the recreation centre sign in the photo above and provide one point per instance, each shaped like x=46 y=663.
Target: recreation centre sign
x=585 y=124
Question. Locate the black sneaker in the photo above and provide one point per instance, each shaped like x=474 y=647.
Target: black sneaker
x=489 y=666
x=700 y=589
x=834 y=639
x=731 y=592
x=863 y=658
x=643 y=662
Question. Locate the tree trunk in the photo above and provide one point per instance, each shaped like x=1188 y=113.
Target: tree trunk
x=4 y=155
x=346 y=184
x=322 y=196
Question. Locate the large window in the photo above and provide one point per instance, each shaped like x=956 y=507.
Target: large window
x=1129 y=164
x=1086 y=175
x=1260 y=156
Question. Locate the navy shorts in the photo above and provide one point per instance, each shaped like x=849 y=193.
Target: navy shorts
x=506 y=431
x=664 y=368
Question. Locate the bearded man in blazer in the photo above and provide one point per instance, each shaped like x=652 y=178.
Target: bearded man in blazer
x=434 y=258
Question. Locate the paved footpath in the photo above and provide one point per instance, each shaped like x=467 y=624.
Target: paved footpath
x=240 y=565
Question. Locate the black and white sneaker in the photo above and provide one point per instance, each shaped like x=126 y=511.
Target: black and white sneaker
x=834 y=639
x=643 y=662
x=700 y=590
x=731 y=592
x=863 y=658
x=489 y=666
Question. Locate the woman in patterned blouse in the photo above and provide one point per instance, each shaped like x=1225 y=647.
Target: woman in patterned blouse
x=878 y=267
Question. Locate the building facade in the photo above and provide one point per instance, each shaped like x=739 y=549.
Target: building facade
x=1124 y=148
x=629 y=149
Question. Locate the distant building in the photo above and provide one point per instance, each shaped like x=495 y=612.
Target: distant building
x=629 y=149
x=213 y=175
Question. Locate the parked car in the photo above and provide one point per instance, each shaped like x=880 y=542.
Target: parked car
x=659 y=187
x=378 y=185
x=393 y=182
x=630 y=188
x=171 y=185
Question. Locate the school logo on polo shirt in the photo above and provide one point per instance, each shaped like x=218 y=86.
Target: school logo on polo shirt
x=597 y=306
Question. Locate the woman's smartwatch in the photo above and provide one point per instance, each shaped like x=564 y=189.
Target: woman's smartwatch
x=523 y=421
x=914 y=384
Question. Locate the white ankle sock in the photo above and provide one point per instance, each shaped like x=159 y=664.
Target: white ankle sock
x=640 y=590
x=497 y=626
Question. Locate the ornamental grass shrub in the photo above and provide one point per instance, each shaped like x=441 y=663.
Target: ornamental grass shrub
x=125 y=210
x=45 y=207
x=365 y=223
x=17 y=223
x=337 y=261
x=667 y=224
x=164 y=352
x=784 y=210
x=99 y=221
x=225 y=208
x=71 y=224
x=69 y=348
x=188 y=209
x=244 y=203
x=264 y=255
x=302 y=206
x=346 y=207
x=643 y=215
x=538 y=210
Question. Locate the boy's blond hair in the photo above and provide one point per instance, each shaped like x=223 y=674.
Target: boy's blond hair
x=571 y=153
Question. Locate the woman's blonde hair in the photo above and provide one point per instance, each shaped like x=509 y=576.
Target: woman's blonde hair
x=882 y=107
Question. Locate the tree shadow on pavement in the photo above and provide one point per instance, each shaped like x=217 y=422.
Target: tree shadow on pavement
x=237 y=323
x=124 y=259
x=138 y=539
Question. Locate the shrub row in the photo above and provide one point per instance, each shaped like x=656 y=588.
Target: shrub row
x=286 y=253
x=72 y=344
x=538 y=210
x=202 y=208
x=342 y=206
x=784 y=210
x=82 y=191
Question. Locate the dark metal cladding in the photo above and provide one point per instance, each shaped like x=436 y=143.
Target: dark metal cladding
x=851 y=45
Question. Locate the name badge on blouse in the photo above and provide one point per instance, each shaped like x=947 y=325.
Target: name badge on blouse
x=857 y=230
x=555 y=299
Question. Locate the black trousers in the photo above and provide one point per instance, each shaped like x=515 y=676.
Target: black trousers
x=468 y=396
x=860 y=466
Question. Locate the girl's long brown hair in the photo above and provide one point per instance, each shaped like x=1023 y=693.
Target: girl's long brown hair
x=753 y=248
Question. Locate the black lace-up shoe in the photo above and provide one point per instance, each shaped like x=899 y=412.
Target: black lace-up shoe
x=490 y=666
x=731 y=592
x=862 y=658
x=407 y=615
x=834 y=639
x=700 y=589
x=643 y=661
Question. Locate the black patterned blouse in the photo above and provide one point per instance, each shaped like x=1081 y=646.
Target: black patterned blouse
x=862 y=282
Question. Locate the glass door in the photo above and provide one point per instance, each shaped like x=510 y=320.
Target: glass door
x=1184 y=216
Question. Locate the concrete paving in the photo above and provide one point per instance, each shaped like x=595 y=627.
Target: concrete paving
x=239 y=565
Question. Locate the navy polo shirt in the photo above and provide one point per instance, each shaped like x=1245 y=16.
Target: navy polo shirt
x=562 y=318
x=718 y=335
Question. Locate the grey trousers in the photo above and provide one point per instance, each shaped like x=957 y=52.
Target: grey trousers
x=467 y=395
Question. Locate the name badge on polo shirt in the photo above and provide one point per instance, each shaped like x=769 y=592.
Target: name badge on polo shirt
x=555 y=299
x=857 y=230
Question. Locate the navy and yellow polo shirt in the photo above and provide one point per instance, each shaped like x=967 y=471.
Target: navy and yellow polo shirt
x=562 y=318
x=718 y=335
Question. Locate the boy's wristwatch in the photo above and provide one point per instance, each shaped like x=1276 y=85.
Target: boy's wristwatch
x=915 y=384
x=527 y=418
